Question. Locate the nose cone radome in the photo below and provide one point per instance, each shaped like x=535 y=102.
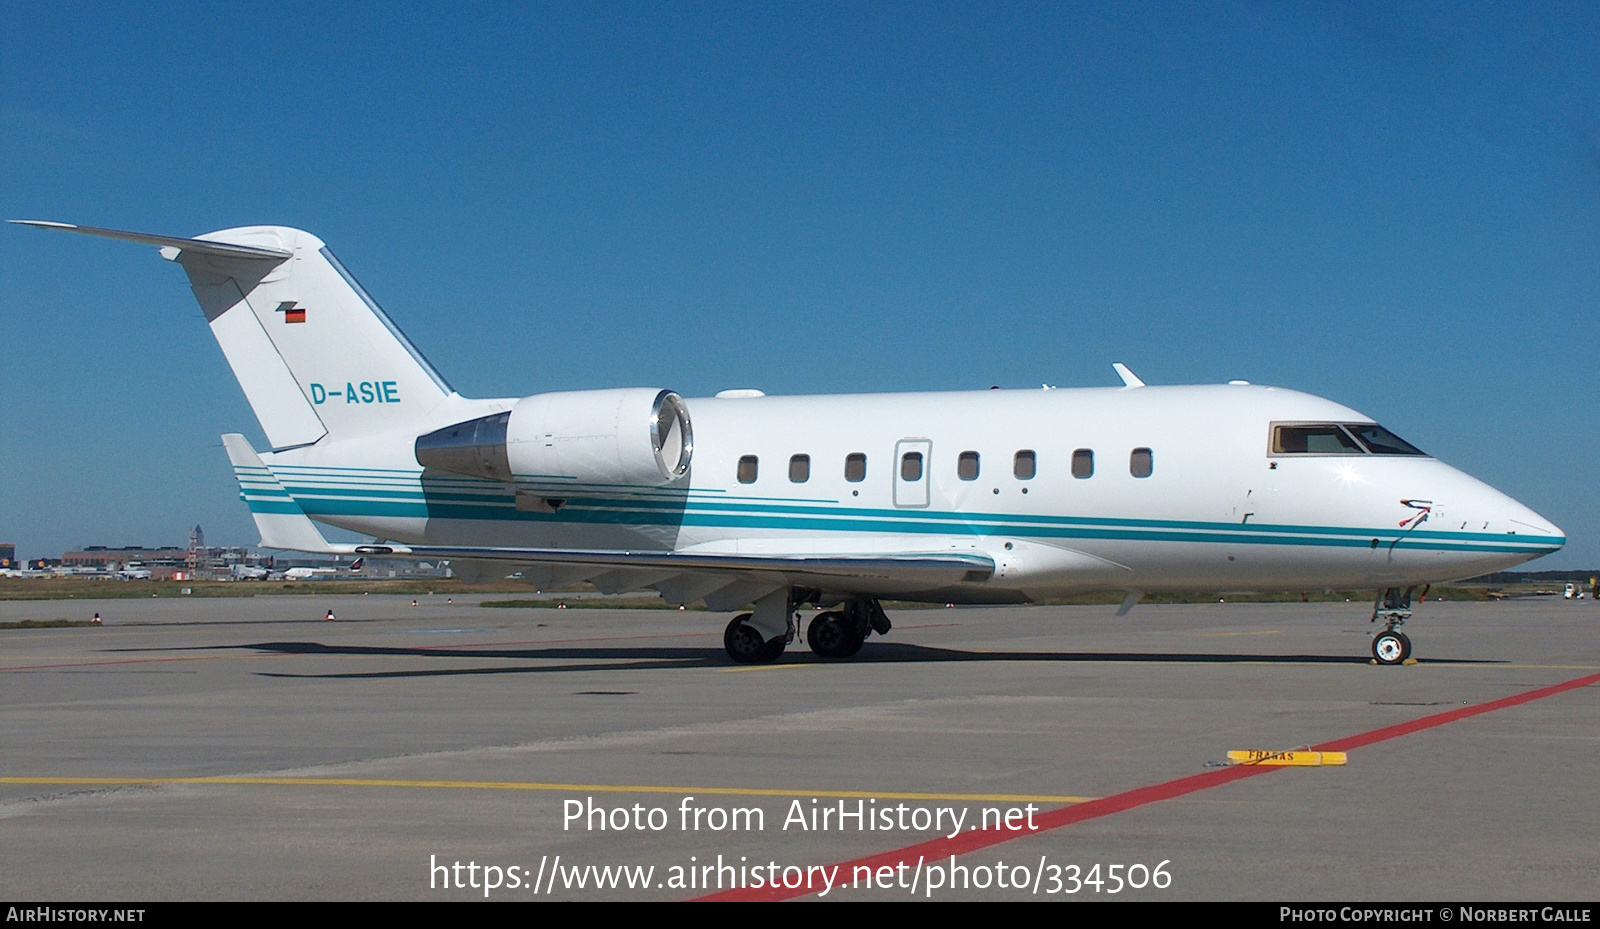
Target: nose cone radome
x=1524 y=521
x=1485 y=529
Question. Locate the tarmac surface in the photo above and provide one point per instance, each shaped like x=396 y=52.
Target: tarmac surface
x=363 y=759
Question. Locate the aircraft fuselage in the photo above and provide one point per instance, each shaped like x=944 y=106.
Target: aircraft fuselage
x=1046 y=482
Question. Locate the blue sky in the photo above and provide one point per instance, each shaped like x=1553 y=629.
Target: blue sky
x=1396 y=206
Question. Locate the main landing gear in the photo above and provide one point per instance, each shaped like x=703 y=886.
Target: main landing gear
x=839 y=633
x=834 y=634
x=1391 y=647
x=744 y=644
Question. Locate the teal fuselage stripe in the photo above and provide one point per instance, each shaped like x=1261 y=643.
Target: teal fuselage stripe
x=432 y=500
x=359 y=501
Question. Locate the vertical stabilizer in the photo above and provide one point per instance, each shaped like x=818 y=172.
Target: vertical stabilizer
x=313 y=352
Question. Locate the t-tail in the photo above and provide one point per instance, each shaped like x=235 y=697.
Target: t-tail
x=315 y=355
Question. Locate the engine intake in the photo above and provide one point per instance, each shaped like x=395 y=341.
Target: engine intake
x=589 y=440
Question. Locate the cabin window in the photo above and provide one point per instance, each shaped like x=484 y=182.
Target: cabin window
x=800 y=469
x=1025 y=465
x=1140 y=463
x=855 y=467
x=748 y=466
x=911 y=466
x=1083 y=463
x=967 y=466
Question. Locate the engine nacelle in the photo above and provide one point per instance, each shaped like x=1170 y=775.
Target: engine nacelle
x=585 y=441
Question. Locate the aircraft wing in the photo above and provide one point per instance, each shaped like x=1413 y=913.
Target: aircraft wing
x=680 y=576
x=936 y=569
x=724 y=581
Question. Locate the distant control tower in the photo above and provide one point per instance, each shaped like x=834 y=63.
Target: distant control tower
x=197 y=541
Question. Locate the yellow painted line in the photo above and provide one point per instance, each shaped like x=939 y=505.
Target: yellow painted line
x=1537 y=667
x=525 y=785
x=766 y=667
x=1297 y=759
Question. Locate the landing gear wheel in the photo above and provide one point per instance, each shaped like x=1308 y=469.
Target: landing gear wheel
x=831 y=635
x=744 y=644
x=1391 y=647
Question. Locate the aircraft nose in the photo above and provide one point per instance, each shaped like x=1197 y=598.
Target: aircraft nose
x=1524 y=521
x=1499 y=523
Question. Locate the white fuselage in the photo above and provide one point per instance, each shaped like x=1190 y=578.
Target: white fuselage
x=1217 y=509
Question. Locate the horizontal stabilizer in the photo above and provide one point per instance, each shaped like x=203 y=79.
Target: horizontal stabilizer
x=281 y=521
x=193 y=246
x=314 y=353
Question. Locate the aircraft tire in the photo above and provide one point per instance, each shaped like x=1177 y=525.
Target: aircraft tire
x=829 y=636
x=857 y=633
x=744 y=644
x=1391 y=647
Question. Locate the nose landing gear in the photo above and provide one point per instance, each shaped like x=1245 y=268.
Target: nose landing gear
x=1391 y=647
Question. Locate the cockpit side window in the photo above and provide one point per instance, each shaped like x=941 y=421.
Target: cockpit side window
x=1314 y=439
x=1338 y=439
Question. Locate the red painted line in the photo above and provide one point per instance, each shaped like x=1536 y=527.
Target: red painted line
x=95 y=664
x=441 y=648
x=609 y=638
x=1466 y=712
x=615 y=638
x=944 y=848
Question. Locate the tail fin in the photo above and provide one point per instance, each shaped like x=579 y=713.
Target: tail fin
x=313 y=352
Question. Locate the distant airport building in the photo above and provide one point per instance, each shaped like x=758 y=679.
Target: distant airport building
x=162 y=563
x=104 y=556
x=197 y=562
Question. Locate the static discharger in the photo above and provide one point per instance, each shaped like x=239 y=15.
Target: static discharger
x=1298 y=759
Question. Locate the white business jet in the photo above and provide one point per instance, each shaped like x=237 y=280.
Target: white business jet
x=311 y=574
x=994 y=496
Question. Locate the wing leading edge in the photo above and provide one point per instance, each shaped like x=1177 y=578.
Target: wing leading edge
x=933 y=569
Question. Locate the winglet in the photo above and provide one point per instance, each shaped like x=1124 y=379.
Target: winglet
x=1129 y=379
x=281 y=521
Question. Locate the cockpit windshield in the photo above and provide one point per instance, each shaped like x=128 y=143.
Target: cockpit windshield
x=1380 y=441
x=1338 y=439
